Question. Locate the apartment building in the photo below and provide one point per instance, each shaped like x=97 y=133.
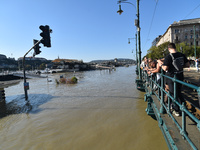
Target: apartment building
x=182 y=31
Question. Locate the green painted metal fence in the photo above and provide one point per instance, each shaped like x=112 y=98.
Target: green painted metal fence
x=150 y=82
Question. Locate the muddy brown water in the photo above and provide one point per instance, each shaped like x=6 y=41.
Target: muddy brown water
x=104 y=111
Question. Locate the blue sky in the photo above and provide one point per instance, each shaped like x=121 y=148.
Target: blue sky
x=87 y=29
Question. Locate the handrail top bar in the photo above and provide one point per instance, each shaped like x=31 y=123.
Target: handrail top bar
x=184 y=83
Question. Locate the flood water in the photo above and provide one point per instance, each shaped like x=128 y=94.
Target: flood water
x=103 y=111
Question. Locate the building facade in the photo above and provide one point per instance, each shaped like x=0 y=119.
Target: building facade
x=3 y=56
x=182 y=31
x=69 y=64
x=156 y=40
x=32 y=58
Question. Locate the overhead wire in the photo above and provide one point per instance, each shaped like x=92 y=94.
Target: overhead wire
x=151 y=24
x=191 y=12
x=153 y=19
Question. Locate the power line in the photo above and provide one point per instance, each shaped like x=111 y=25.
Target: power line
x=151 y=23
x=191 y=11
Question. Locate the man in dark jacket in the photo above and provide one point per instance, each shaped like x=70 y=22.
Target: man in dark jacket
x=171 y=70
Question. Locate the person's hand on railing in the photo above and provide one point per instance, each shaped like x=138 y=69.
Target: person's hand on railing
x=160 y=63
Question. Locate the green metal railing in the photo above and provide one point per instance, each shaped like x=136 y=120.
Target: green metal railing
x=150 y=82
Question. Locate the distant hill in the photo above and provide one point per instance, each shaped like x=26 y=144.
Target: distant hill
x=131 y=61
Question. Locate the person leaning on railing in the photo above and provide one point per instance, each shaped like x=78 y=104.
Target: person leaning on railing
x=160 y=62
x=143 y=65
x=171 y=70
x=197 y=64
x=155 y=69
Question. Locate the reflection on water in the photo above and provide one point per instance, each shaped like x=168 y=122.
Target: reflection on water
x=103 y=111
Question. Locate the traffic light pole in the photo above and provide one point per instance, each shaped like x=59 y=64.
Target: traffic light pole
x=24 y=71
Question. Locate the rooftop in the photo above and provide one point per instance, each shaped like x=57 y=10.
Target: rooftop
x=65 y=60
x=188 y=21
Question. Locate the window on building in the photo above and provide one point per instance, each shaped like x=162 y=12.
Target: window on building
x=185 y=37
x=191 y=30
x=191 y=43
x=191 y=36
x=176 y=30
x=197 y=36
x=197 y=43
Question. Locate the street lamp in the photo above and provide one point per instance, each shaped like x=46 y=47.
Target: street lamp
x=120 y=11
x=137 y=65
x=137 y=23
x=130 y=39
x=124 y=1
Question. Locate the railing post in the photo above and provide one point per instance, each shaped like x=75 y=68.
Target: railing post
x=175 y=87
x=183 y=120
x=198 y=91
x=162 y=93
x=175 y=94
x=169 y=105
x=151 y=80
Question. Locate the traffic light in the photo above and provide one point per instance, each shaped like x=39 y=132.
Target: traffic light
x=36 y=48
x=45 y=34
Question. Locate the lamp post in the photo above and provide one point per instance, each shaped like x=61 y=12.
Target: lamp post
x=139 y=44
x=136 y=52
x=139 y=81
x=195 y=51
x=137 y=24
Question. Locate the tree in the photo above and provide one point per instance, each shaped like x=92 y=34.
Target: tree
x=42 y=66
x=188 y=50
x=161 y=51
x=157 y=52
x=28 y=67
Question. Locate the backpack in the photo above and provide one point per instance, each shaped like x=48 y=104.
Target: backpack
x=178 y=63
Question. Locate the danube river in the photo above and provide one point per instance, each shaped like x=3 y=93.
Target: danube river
x=103 y=111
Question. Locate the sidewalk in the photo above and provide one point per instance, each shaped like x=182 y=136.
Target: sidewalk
x=191 y=96
x=192 y=76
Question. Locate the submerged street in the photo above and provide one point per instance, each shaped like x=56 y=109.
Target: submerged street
x=103 y=111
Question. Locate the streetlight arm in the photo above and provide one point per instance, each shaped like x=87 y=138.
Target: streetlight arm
x=130 y=39
x=126 y=2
